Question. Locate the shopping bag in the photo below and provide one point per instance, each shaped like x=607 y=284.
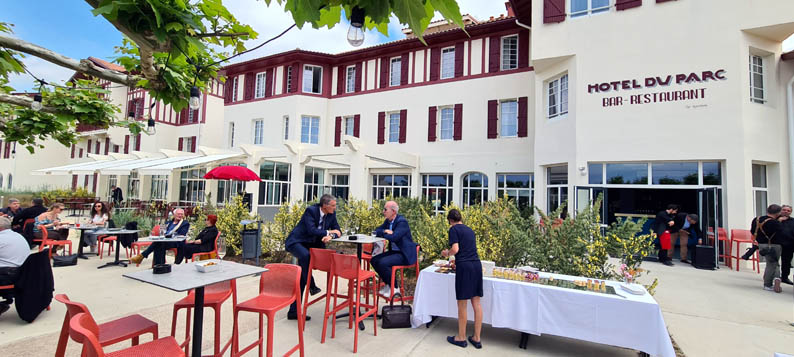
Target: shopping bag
x=664 y=240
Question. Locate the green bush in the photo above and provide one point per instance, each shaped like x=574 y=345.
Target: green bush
x=228 y=223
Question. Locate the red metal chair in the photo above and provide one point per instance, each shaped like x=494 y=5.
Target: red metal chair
x=743 y=236
x=322 y=260
x=214 y=297
x=211 y=254
x=723 y=238
x=102 y=240
x=348 y=267
x=401 y=269
x=136 y=246
x=83 y=329
x=45 y=242
x=109 y=333
x=278 y=288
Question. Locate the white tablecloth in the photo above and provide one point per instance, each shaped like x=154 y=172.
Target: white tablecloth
x=627 y=320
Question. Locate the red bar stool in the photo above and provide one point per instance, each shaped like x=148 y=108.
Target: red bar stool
x=83 y=329
x=322 y=260
x=278 y=288
x=348 y=267
x=743 y=236
x=52 y=243
x=214 y=297
x=401 y=269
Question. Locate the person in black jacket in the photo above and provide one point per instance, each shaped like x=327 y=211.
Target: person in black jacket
x=117 y=196
x=204 y=242
x=695 y=235
x=28 y=213
x=665 y=221
x=786 y=243
x=767 y=232
x=681 y=227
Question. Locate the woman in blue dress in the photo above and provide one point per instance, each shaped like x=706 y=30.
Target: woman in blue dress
x=468 y=278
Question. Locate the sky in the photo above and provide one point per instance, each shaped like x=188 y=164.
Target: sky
x=69 y=28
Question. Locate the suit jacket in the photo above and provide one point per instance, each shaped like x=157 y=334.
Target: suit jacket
x=181 y=231
x=207 y=237
x=660 y=223
x=307 y=230
x=34 y=286
x=117 y=195
x=400 y=239
x=28 y=213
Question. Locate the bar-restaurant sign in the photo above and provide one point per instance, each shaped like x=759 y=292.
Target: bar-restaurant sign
x=684 y=81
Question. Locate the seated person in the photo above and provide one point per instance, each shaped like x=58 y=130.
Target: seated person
x=28 y=213
x=11 y=210
x=204 y=242
x=179 y=226
x=56 y=230
x=14 y=250
x=402 y=249
x=100 y=216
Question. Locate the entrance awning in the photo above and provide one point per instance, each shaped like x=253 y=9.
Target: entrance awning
x=82 y=167
x=127 y=168
x=166 y=168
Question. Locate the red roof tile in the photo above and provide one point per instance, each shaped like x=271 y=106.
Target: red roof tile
x=107 y=65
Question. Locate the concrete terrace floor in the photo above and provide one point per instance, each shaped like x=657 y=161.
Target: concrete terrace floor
x=708 y=313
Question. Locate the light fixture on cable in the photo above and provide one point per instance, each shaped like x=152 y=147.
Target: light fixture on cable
x=195 y=98
x=35 y=105
x=355 y=34
x=150 y=126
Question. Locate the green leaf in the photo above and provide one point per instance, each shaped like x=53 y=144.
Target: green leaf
x=173 y=26
x=412 y=13
x=329 y=16
x=104 y=10
x=449 y=9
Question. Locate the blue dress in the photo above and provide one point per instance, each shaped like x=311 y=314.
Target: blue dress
x=468 y=269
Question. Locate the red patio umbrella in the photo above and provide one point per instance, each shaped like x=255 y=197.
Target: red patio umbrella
x=238 y=173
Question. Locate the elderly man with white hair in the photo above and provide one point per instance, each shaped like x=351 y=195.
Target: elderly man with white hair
x=14 y=250
x=179 y=226
x=402 y=249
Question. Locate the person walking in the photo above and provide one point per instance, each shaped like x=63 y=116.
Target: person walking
x=766 y=231
x=786 y=244
x=468 y=278
x=665 y=221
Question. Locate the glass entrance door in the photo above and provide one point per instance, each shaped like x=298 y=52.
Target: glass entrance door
x=710 y=212
x=586 y=196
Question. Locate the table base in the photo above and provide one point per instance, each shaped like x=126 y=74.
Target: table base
x=116 y=263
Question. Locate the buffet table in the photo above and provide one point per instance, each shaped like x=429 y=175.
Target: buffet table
x=623 y=320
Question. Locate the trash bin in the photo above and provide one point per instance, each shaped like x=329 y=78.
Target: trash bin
x=252 y=245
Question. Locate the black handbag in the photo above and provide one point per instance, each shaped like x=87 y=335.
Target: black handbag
x=396 y=316
x=64 y=260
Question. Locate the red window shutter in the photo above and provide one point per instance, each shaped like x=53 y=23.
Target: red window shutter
x=180 y=146
x=523 y=48
x=431 y=124
x=80 y=155
x=459 y=59
x=341 y=77
x=96 y=150
x=182 y=116
x=435 y=63
x=404 y=68
x=115 y=148
x=248 y=88
x=457 y=133
x=522 y=117
x=195 y=116
x=381 y=126
x=627 y=4
x=138 y=142
x=268 y=83
x=74 y=182
x=493 y=110
x=338 y=131
x=1 y=149
x=193 y=144
x=7 y=153
x=295 y=75
x=494 y=50
x=73 y=148
x=88 y=147
x=553 y=11
x=356 y=125
x=403 y=125
x=107 y=145
x=126 y=144
x=384 y=72
x=358 y=78
x=85 y=181
x=130 y=108
x=93 y=189
x=227 y=90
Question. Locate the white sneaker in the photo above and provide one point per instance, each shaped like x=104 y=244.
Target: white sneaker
x=397 y=291
x=385 y=290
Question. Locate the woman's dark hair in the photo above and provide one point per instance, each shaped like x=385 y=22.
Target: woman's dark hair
x=104 y=209
x=454 y=215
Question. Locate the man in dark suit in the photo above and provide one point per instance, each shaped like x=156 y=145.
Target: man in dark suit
x=316 y=227
x=28 y=213
x=402 y=249
x=117 y=196
x=665 y=221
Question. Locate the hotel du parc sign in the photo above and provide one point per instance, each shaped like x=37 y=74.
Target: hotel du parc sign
x=678 y=87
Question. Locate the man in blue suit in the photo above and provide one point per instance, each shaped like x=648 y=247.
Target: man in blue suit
x=313 y=231
x=402 y=249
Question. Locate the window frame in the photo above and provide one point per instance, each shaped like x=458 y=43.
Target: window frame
x=349 y=125
x=192 y=185
x=289 y=79
x=701 y=172
x=314 y=189
x=395 y=76
x=268 y=186
x=319 y=82
x=590 y=11
x=231 y=134
x=258 y=132
x=310 y=134
x=133 y=186
x=285 y=126
x=501 y=187
x=502 y=52
x=388 y=190
x=450 y=49
x=159 y=188
x=440 y=126
x=426 y=189
x=259 y=85
x=466 y=190
x=753 y=85
x=234 y=88
x=501 y=119
x=760 y=190
x=557 y=82
x=396 y=133
x=350 y=79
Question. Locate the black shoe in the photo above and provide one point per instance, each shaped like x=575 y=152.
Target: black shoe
x=749 y=252
x=786 y=281
x=314 y=290
x=291 y=316
x=451 y=339
x=4 y=308
x=668 y=263
x=474 y=343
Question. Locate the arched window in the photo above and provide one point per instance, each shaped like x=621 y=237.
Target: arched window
x=9 y=181
x=475 y=188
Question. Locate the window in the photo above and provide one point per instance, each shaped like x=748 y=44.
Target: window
x=112 y=181
x=556 y=187
x=350 y=125
x=595 y=174
x=757 y=80
x=191 y=186
x=229 y=189
x=447 y=121
x=395 y=71
x=187 y=143
x=340 y=186
x=259 y=132
x=312 y=79
x=448 y=63
x=509 y=52
x=310 y=129
x=133 y=183
x=712 y=173
x=627 y=174
x=389 y=185
x=350 y=79
x=760 y=192
x=286 y=127
x=259 y=91
x=192 y=116
x=231 y=134
x=475 y=188
x=708 y=173
x=675 y=173
x=159 y=190
x=394 y=127
x=438 y=190
x=275 y=185
x=289 y=79
x=234 y=89
x=588 y=7
x=508 y=119
x=133 y=142
x=517 y=187
x=313 y=183
x=558 y=96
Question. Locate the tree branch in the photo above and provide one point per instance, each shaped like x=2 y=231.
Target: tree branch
x=24 y=101
x=83 y=66
x=221 y=34
x=147 y=42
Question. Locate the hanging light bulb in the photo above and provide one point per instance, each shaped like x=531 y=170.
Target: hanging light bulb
x=131 y=115
x=36 y=103
x=355 y=34
x=195 y=98
x=150 y=127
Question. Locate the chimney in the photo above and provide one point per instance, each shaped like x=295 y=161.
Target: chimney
x=509 y=8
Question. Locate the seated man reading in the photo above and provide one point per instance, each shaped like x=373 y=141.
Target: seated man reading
x=179 y=226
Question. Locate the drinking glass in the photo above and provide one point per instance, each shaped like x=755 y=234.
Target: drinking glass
x=221 y=248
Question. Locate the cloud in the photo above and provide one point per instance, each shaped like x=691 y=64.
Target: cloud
x=41 y=69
